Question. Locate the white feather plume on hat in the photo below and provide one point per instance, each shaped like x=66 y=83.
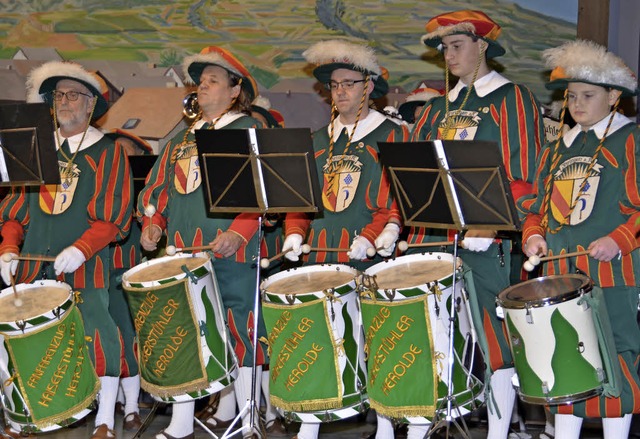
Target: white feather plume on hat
x=57 y=69
x=262 y=102
x=586 y=61
x=361 y=57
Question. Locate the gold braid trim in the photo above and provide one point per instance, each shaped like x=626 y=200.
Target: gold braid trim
x=447 y=122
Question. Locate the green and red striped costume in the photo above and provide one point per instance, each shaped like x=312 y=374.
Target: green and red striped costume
x=508 y=114
x=371 y=206
x=99 y=213
x=611 y=208
x=174 y=187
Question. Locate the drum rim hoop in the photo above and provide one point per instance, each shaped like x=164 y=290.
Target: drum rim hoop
x=585 y=287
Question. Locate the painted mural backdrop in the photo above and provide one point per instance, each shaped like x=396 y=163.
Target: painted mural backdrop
x=270 y=35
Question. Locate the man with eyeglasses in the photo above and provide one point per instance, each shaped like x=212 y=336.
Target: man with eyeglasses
x=358 y=214
x=76 y=220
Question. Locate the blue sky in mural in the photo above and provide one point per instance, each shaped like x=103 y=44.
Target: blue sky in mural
x=564 y=9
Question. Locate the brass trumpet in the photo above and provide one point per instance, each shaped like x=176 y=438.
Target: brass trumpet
x=190 y=105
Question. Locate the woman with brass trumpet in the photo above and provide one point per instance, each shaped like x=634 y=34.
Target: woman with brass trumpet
x=173 y=188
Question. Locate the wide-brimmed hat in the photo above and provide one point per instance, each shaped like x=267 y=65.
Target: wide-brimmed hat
x=340 y=54
x=42 y=81
x=140 y=142
x=416 y=98
x=586 y=61
x=273 y=117
x=217 y=56
x=467 y=22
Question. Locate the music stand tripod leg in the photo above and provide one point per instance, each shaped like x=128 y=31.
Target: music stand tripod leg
x=255 y=425
x=147 y=420
x=451 y=403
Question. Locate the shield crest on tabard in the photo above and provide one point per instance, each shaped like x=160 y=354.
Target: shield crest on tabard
x=459 y=125
x=187 y=176
x=341 y=175
x=56 y=198
x=566 y=189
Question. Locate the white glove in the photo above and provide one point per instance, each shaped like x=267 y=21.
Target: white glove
x=293 y=247
x=8 y=269
x=68 y=260
x=386 y=240
x=476 y=244
x=359 y=248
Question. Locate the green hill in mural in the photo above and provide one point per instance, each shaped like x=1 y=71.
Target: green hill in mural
x=269 y=35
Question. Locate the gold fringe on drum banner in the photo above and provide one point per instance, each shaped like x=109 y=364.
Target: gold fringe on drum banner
x=77 y=406
x=426 y=411
x=307 y=406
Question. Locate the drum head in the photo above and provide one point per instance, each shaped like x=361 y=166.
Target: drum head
x=163 y=268
x=544 y=291
x=36 y=299
x=412 y=270
x=309 y=279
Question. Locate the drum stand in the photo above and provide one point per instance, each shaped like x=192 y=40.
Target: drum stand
x=452 y=406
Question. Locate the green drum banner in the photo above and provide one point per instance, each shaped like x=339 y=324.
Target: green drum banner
x=54 y=370
x=399 y=345
x=305 y=375
x=169 y=339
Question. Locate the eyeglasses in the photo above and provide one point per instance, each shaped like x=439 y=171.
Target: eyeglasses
x=71 y=95
x=347 y=85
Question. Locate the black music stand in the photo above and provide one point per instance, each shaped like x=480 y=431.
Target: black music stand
x=29 y=156
x=467 y=177
x=257 y=171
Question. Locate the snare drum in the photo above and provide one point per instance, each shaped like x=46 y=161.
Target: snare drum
x=317 y=369
x=47 y=379
x=405 y=313
x=184 y=348
x=554 y=341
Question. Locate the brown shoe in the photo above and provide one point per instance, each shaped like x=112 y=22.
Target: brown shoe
x=103 y=432
x=132 y=421
x=119 y=408
x=276 y=427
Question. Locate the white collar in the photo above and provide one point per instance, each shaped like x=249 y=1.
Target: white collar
x=365 y=126
x=483 y=86
x=91 y=137
x=225 y=120
x=598 y=129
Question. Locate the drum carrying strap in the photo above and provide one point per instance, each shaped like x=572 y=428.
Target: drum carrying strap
x=611 y=388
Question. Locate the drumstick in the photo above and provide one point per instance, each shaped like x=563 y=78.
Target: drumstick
x=534 y=260
x=172 y=249
x=8 y=258
x=306 y=249
x=16 y=300
x=404 y=245
x=149 y=210
x=265 y=262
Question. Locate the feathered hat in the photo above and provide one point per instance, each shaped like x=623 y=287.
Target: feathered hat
x=273 y=117
x=42 y=81
x=417 y=97
x=586 y=61
x=467 y=22
x=139 y=141
x=340 y=54
x=217 y=56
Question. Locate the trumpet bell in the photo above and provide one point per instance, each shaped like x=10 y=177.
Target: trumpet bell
x=190 y=105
